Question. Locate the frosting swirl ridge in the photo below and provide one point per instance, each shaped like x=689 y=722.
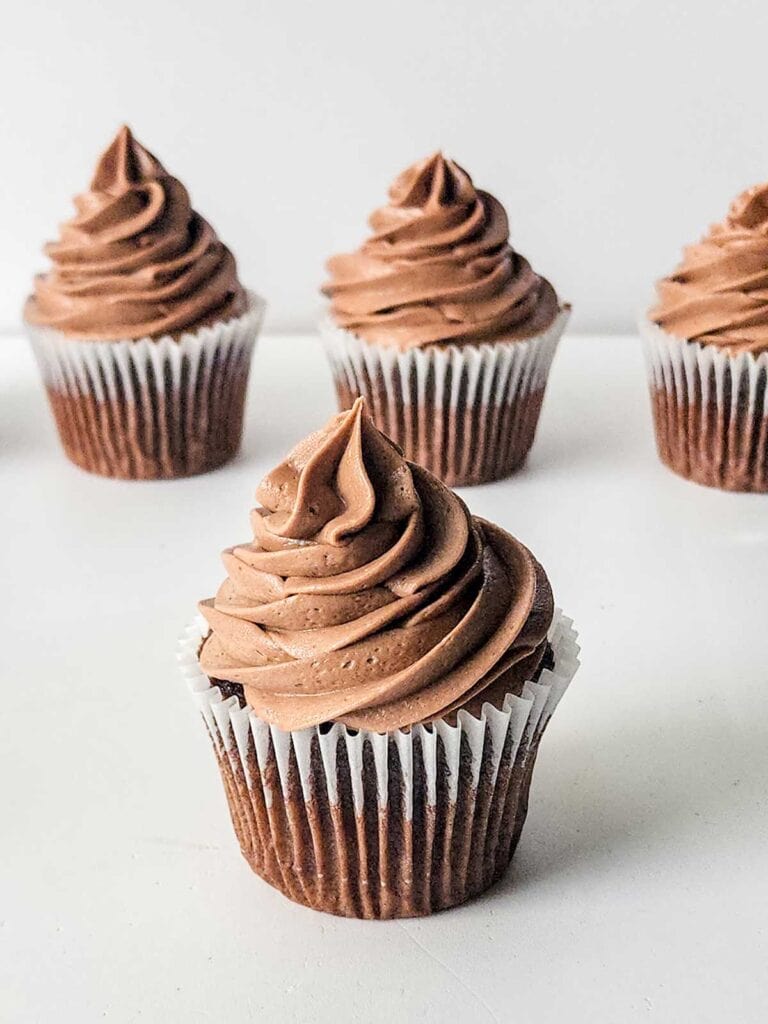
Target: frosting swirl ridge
x=438 y=268
x=718 y=295
x=135 y=260
x=369 y=595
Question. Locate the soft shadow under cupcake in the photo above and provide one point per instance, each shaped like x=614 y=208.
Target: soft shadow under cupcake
x=585 y=813
x=23 y=419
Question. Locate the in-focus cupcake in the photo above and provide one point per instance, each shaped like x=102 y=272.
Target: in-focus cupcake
x=445 y=330
x=376 y=673
x=141 y=328
x=706 y=344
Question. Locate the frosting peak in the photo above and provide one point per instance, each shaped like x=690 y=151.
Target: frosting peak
x=123 y=164
x=369 y=595
x=718 y=294
x=434 y=181
x=135 y=260
x=332 y=483
x=438 y=267
x=750 y=210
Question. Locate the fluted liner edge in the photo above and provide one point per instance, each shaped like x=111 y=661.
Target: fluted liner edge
x=468 y=413
x=373 y=825
x=150 y=408
x=710 y=410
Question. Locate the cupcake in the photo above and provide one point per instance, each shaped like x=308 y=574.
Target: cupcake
x=376 y=673
x=141 y=328
x=706 y=344
x=445 y=330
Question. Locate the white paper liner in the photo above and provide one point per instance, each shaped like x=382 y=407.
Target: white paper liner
x=466 y=412
x=150 y=407
x=710 y=410
x=466 y=783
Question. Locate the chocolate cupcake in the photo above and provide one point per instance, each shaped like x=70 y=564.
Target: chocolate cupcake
x=141 y=328
x=376 y=673
x=706 y=344
x=445 y=330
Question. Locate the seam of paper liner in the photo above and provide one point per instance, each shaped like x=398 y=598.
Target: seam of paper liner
x=521 y=719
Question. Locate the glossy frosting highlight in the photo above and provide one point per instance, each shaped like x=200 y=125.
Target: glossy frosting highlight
x=136 y=260
x=718 y=295
x=438 y=268
x=369 y=595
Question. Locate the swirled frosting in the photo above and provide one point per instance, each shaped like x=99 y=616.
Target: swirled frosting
x=438 y=268
x=369 y=595
x=718 y=295
x=136 y=260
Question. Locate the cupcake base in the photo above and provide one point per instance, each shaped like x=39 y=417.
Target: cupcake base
x=467 y=413
x=153 y=408
x=701 y=443
x=366 y=825
x=710 y=411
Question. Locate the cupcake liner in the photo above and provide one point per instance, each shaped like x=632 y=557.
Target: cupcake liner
x=467 y=413
x=150 y=408
x=710 y=410
x=372 y=825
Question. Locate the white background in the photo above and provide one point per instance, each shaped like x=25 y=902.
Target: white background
x=613 y=130
x=638 y=894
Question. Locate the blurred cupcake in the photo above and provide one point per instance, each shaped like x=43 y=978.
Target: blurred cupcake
x=706 y=343
x=142 y=331
x=445 y=330
x=376 y=673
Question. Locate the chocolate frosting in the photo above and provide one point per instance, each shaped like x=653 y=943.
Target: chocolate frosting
x=136 y=260
x=438 y=268
x=718 y=295
x=369 y=595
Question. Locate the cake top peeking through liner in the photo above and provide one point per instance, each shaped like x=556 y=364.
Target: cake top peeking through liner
x=718 y=295
x=369 y=595
x=136 y=260
x=438 y=268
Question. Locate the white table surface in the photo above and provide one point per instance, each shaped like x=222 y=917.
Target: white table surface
x=639 y=890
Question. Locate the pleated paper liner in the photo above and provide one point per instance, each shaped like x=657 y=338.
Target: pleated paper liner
x=468 y=413
x=710 y=410
x=374 y=825
x=150 y=408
